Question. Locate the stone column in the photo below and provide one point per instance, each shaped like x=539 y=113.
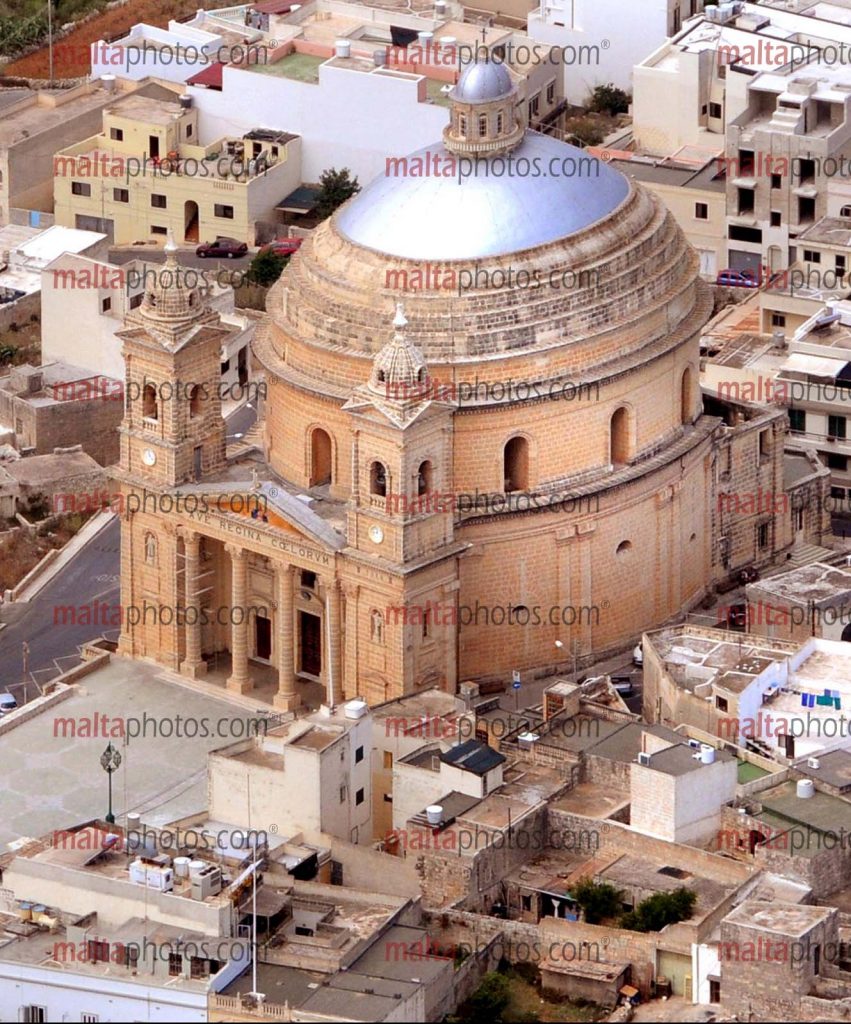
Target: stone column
x=332 y=641
x=287 y=699
x=239 y=679
x=193 y=664
x=349 y=646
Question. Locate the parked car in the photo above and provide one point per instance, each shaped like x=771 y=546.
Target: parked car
x=228 y=247
x=283 y=246
x=7 y=703
x=738 y=279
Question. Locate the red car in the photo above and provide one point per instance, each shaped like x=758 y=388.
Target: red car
x=228 y=247
x=283 y=246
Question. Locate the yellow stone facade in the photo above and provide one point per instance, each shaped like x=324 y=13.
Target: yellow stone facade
x=387 y=420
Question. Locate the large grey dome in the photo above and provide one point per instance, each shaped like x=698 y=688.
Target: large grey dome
x=542 y=191
x=482 y=82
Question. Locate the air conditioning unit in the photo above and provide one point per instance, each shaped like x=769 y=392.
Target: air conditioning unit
x=813 y=762
x=643 y=758
x=694 y=744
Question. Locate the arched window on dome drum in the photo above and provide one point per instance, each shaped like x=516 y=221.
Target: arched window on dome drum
x=515 y=464
x=500 y=123
x=378 y=480
x=483 y=124
x=462 y=124
x=685 y=396
x=149 y=402
x=619 y=437
x=195 y=401
x=320 y=457
x=424 y=478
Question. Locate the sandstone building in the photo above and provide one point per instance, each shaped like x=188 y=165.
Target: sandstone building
x=457 y=473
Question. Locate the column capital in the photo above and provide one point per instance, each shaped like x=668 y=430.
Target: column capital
x=236 y=551
x=189 y=536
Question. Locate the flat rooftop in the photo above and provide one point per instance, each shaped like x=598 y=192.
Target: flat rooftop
x=39 y=950
x=144 y=108
x=53 y=777
x=299 y=67
x=792 y=919
x=817 y=583
x=834 y=769
x=820 y=812
x=680 y=760
x=648 y=874
x=729 y=661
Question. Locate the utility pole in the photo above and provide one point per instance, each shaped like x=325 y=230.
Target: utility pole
x=50 y=37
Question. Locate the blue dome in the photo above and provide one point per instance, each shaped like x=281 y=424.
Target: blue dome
x=505 y=206
x=482 y=82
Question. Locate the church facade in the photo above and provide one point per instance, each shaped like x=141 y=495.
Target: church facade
x=457 y=482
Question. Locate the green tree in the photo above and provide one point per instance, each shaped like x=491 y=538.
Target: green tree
x=491 y=997
x=337 y=187
x=608 y=99
x=586 y=130
x=599 y=901
x=659 y=910
x=266 y=268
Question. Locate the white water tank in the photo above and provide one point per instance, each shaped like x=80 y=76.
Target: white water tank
x=181 y=867
x=196 y=867
x=805 y=789
x=343 y=48
x=356 y=709
x=707 y=753
x=434 y=814
x=425 y=38
x=138 y=872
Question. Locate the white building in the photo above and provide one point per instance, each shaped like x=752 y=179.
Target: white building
x=677 y=791
x=309 y=777
x=96 y=296
x=24 y=253
x=603 y=39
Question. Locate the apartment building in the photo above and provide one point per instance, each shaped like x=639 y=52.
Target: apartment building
x=147 y=174
x=761 y=93
x=33 y=128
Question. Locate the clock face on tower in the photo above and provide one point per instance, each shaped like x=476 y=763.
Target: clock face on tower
x=376 y=534
x=149 y=457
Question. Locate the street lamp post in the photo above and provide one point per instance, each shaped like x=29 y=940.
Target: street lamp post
x=110 y=760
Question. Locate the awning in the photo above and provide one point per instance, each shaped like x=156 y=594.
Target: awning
x=302 y=200
x=211 y=77
x=817 y=366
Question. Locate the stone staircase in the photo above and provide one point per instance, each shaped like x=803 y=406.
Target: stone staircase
x=250 y=441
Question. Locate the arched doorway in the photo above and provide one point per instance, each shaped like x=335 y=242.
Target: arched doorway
x=846 y=633
x=190 y=221
x=320 y=458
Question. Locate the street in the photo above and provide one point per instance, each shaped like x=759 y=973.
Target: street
x=51 y=623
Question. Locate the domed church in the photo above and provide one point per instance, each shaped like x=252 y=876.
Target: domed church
x=458 y=481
